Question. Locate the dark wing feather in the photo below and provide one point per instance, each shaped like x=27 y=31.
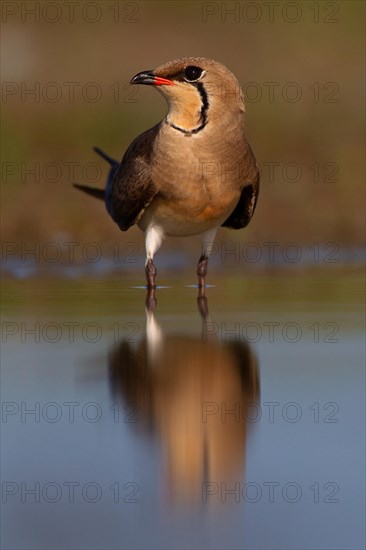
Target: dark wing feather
x=132 y=189
x=244 y=210
x=249 y=176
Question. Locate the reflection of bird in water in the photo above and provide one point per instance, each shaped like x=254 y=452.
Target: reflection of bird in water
x=195 y=395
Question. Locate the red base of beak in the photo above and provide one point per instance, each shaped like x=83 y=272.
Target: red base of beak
x=158 y=81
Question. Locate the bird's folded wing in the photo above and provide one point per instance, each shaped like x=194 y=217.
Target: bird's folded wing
x=133 y=189
x=244 y=210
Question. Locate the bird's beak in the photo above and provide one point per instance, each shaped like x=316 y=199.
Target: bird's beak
x=148 y=77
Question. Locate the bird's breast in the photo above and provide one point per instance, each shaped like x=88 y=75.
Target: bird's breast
x=198 y=181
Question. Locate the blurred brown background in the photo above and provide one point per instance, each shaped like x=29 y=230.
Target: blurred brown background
x=301 y=65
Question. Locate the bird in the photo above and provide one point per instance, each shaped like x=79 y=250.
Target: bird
x=192 y=172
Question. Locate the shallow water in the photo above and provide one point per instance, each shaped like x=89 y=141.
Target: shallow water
x=237 y=427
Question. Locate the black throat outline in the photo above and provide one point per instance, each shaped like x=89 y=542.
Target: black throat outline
x=203 y=113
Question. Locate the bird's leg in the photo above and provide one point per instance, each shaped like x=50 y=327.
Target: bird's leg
x=208 y=239
x=153 y=239
x=202 y=270
x=150 y=271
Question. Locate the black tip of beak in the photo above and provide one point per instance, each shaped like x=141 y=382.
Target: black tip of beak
x=145 y=77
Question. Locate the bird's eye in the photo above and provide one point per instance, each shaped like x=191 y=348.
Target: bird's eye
x=192 y=73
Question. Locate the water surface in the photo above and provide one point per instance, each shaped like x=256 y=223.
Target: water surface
x=236 y=423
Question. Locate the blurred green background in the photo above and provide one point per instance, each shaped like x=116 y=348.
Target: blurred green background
x=307 y=135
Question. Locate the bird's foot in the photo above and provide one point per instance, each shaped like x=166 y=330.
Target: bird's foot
x=150 y=271
x=202 y=271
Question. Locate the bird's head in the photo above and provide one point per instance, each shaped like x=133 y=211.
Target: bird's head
x=198 y=91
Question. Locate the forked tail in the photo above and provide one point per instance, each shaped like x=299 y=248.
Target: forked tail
x=94 y=191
